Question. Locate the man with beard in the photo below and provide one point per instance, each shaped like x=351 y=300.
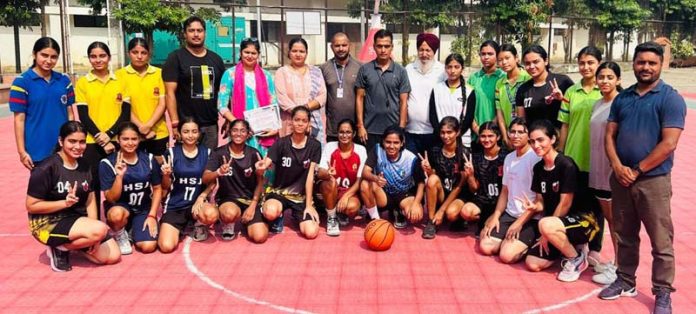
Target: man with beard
x=644 y=125
x=191 y=79
x=339 y=73
x=382 y=93
x=423 y=74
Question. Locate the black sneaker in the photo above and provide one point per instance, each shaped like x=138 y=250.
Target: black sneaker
x=663 y=302
x=429 y=231
x=399 y=220
x=343 y=219
x=459 y=225
x=59 y=259
x=616 y=289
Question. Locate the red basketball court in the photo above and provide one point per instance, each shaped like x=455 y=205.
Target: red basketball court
x=326 y=275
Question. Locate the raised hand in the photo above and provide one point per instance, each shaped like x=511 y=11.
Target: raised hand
x=381 y=181
x=261 y=165
x=120 y=165
x=225 y=166
x=468 y=165
x=425 y=164
x=332 y=169
x=71 y=199
x=167 y=166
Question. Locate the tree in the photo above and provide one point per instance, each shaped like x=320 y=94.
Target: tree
x=146 y=16
x=516 y=19
x=573 y=11
x=18 y=13
x=619 y=16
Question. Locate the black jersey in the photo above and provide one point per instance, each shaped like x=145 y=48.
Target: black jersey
x=240 y=181
x=489 y=173
x=448 y=169
x=292 y=166
x=552 y=183
x=533 y=99
x=51 y=181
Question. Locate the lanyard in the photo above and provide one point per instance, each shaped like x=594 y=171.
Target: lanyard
x=339 y=77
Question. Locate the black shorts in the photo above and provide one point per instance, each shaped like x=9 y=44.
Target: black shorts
x=528 y=234
x=243 y=204
x=393 y=201
x=601 y=195
x=297 y=208
x=580 y=229
x=155 y=147
x=53 y=232
x=178 y=219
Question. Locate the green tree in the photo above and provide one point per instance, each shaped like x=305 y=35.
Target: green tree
x=514 y=19
x=18 y=13
x=619 y=16
x=146 y=16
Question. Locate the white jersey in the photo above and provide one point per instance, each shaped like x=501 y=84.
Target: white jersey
x=517 y=176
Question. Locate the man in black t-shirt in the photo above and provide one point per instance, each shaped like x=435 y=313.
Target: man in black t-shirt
x=192 y=78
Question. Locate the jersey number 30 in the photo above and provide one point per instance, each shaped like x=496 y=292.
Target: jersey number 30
x=287 y=162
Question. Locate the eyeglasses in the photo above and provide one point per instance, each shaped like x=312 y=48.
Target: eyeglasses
x=517 y=133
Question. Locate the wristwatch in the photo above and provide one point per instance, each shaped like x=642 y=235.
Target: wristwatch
x=636 y=168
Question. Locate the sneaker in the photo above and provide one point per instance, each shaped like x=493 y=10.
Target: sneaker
x=616 y=289
x=607 y=276
x=362 y=212
x=59 y=259
x=123 y=240
x=399 y=220
x=663 y=302
x=277 y=225
x=332 y=228
x=429 y=231
x=459 y=225
x=343 y=219
x=200 y=233
x=228 y=233
x=571 y=268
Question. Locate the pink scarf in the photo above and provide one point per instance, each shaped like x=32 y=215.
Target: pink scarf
x=238 y=97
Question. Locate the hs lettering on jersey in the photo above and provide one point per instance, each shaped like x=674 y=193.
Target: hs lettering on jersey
x=191 y=181
x=136 y=186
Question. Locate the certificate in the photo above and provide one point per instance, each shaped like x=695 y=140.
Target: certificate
x=263 y=118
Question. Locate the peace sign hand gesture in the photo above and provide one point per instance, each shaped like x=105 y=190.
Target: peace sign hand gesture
x=332 y=169
x=71 y=199
x=381 y=181
x=425 y=164
x=120 y=165
x=468 y=165
x=527 y=204
x=167 y=166
x=225 y=166
x=261 y=165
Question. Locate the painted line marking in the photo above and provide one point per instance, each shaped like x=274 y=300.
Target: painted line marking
x=202 y=276
x=566 y=303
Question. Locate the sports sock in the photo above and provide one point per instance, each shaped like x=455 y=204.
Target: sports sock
x=331 y=212
x=372 y=211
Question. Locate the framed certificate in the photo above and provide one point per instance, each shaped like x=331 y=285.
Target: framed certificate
x=263 y=118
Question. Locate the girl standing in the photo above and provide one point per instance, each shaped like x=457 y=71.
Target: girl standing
x=451 y=98
x=506 y=88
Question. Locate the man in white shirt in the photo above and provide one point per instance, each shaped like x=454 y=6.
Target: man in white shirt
x=423 y=74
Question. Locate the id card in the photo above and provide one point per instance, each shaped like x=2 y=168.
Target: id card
x=339 y=92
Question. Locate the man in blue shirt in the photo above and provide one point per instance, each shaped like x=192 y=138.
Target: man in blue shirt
x=644 y=126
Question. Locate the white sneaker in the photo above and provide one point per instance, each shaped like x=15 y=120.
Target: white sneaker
x=607 y=276
x=572 y=268
x=200 y=233
x=228 y=233
x=332 y=227
x=123 y=241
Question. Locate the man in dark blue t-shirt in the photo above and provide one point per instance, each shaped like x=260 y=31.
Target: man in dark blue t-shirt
x=644 y=126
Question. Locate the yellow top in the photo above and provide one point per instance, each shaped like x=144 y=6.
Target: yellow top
x=145 y=92
x=103 y=99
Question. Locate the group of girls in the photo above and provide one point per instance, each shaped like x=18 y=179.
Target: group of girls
x=523 y=201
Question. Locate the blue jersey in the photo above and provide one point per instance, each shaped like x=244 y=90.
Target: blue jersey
x=187 y=177
x=402 y=175
x=138 y=181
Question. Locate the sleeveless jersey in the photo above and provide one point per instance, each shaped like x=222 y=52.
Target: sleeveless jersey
x=136 y=194
x=489 y=174
x=187 y=177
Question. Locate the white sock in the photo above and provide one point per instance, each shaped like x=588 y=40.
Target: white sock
x=331 y=212
x=62 y=248
x=374 y=213
x=118 y=233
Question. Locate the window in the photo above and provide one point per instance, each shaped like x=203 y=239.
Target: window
x=89 y=20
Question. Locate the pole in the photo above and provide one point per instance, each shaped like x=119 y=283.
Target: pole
x=282 y=32
x=63 y=39
x=258 y=23
x=326 y=28
x=234 y=37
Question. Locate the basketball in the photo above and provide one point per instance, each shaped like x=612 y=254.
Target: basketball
x=379 y=235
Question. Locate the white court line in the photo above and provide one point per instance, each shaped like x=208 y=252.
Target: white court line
x=202 y=276
x=565 y=303
x=14 y=235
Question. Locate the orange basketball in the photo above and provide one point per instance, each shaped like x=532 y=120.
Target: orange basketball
x=379 y=235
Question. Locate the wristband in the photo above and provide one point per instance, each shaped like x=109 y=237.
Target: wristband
x=175 y=124
x=152 y=216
